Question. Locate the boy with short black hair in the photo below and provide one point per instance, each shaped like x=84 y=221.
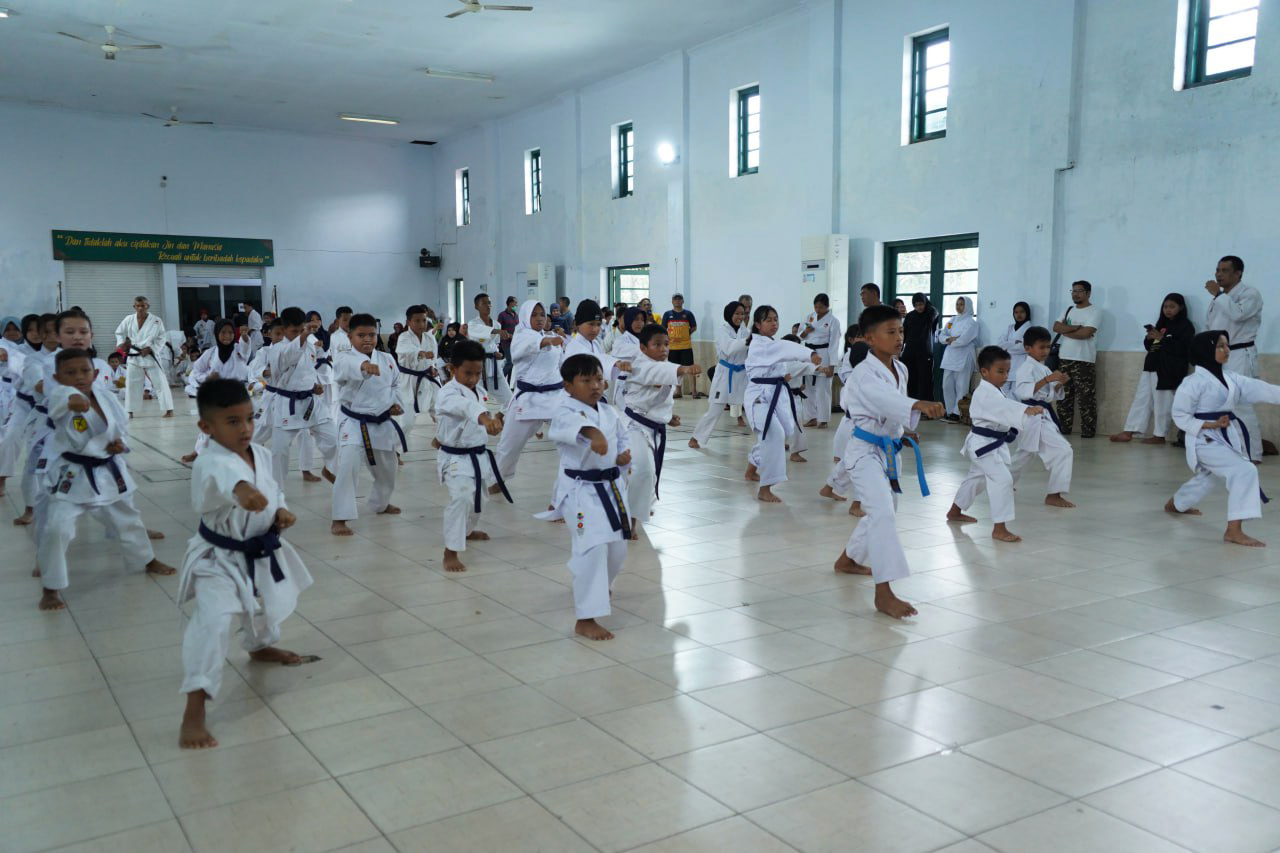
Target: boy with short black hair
x=1037 y=385
x=237 y=564
x=484 y=330
x=116 y=362
x=299 y=405
x=416 y=359
x=996 y=423
x=340 y=337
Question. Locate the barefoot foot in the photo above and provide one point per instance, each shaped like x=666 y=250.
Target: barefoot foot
x=767 y=496
x=856 y=510
x=451 y=561
x=24 y=519
x=846 y=565
x=50 y=600
x=812 y=422
x=1235 y=535
x=1002 y=533
x=693 y=442
x=1155 y=439
x=955 y=514
x=592 y=630
x=189 y=458
x=796 y=457
x=1057 y=500
x=35 y=573
x=478 y=536
x=751 y=474
x=742 y=421
x=155 y=567
x=328 y=475
x=194 y=734
x=154 y=534
x=1170 y=508
x=284 y=657
x=1122 y=437
x=308 y=477
x=829 y=493
x=495 y=489
x=168 y=414
x=890 y=604
x=389 y=509
x=339 y=528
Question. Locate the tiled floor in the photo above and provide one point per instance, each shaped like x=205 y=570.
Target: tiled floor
x=1111 y=683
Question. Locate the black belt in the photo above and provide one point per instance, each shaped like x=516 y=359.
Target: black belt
x=417 y=386
x=321 y=362
x=659 y=431
x=797 y=393
x=1244 y=432
x=92 y=463
x=778 y=383
x=1241 y=346
x=293 y=397
x=8 y=380
x=998 y=437
x=522 y=386
x=1048 y=407
x=44 y=410
x=496 y=358
x=29 y=399
x=474 y=453
x=617 y=514
x=254 y=548
x=365 y=420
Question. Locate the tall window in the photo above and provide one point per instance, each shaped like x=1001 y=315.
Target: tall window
x=747 y=132
x=457 y=300
x=930 y=84
x=1221 y=36
x=533 y=180
x=462 y=196
x=629 y=284
x=624 y=160
x=942 y=267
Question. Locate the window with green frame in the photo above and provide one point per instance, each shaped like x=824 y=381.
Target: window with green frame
x=533 y=180
x=625 y=157
x=464 y=197
x=628 y=284
x=942 y=267
x=930 y=84
x=749 y=130
x=1221 y=37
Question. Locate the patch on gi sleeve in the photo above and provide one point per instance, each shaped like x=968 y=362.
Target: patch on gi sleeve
x=79 y=423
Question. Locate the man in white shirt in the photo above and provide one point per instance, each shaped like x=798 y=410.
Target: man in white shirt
x=1237 y=309
x=1077 y=331
x=141 y=335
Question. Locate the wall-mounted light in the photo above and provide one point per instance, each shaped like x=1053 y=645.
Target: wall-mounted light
x=667 y=153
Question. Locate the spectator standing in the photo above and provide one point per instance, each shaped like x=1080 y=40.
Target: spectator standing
x=1078 y=330
x=1237 y=309
x=1168 y=345
x=918 y=329
x=680 y=325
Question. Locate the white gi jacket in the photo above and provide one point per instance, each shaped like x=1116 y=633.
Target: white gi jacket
x=991 y=409
x=767 y=358
x=366 y=394
x=1011 y=341
x=1238 y=313
x=458 y=409
x=578 y=501
x=876 y=401
x=204 y=333
x=293 y=368
x=825 y=337
x=408 y=354
x=235 y=367
x=535 y=365
x=150 y=334
x=625 y=348
x=728 y=385
x=86 y=434
x=960 y=355
x=1202 y=392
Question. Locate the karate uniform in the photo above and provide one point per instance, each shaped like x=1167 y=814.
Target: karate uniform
x=74 y=487
x=650 y=390
x=205 y=367
x=35 y=384
x=1011 y=342
x=838 y=479
x=119 y=382
x=293 y=372
x=825 y=341
x=416 y=387
x=1217 y=452
x=255 y=329
x=876 y=401
x=1041 y=438
x=625 y=348
x=204 y=334
x=262 y=398
x=12 y=410
x=729 y=384
x=539 y=390
x=768 y=359
x=1239 y=314
x=142 y=368
x=486 y=334
x=367 y=395
x=991 y=409
x=801 y=372
x=959 y=358
x=458 y=411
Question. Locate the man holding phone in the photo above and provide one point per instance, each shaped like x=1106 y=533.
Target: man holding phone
x=1079 y=352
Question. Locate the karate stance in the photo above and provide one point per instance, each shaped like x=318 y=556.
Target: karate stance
x=1036 y=385
x=141 y=335
x=729 y=383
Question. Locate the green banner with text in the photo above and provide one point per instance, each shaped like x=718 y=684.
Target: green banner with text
x=160 y=249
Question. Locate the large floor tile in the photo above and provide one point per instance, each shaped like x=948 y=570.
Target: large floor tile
x=731 y=772
x=374 y=741
x=499 y=713
x=514 y=825
x=1214 y=707
x=854 y=742
x=601 y=690
x=947 y=717
x=1063 y=762
x=1070 y=828
x=316 y=817
x=163 y=837
x=768 y=702
x=330 y=704
x=71 y=758
x=560 y=755
x=81 y=810
x=670 y=726
x=229 y=774
x=697 y=669
x=1029 y=693
x=1143 y=732
x=1247 y=769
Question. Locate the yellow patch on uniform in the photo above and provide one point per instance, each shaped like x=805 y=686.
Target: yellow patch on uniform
x=79 y=423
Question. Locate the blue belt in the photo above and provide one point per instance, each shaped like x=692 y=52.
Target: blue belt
x=891 y=447
x=522 y=387
x=417 y=386
x=659 y=431
x=92 y=463
x=998 y=437
x=732 y=368
x=615 y=508
x=475 y=453
x=293 y=397
x=1244 y=431
x=254 y=548
x=365 y=420
x=778 y=383
x=1048 y=408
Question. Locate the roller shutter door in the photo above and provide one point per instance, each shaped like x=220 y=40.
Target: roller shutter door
x=106 y=291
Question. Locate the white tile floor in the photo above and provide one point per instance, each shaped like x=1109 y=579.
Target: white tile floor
x=1111 y=683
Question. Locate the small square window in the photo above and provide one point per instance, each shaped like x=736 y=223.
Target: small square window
x=930 y=84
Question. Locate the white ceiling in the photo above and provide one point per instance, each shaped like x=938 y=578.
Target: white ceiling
x=295 y=64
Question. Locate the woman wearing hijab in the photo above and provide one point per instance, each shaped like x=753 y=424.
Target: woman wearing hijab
x=729 y=382
x=1011 y=340
x=32 y=334
x=627 y=348
x=960 y=336
x=1167 y=344
x=1217 y=442
x=917 y=350
x=535 y=354
x=223 y=360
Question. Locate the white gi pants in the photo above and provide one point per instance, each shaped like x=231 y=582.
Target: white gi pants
x=307 y=452
x=817 y=404
x=769 y=455
x=1217 y=460
x=1147 y=400
x=206 y=640
x=59 y=528
x=593 y=573
x=955 y=385
x=515 y=435
x=1056 y=454
x=460 y=514
x=874 y=542
x=351 y=459
x=323 y=433
x=138 y=369
x=10 y=442
x=31 y=490
x=410 y=417
x=989 y=473
x=643 y=478
x=710 y=420
x=500 y=390
x=1245 y=362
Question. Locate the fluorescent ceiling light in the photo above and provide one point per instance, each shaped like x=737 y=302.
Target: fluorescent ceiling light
x=458 y=75
x=368 y=119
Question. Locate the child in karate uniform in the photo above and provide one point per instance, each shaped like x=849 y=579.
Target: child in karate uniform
x=483 y=330
x=799 y=374
x=539 y=389
x=236 y=565
x=627 y=348
x=463 y=423
x=588 y=319
x=768 y=405
x=299 y=405
x=879 y=412
x=729 y=383
x=650 y=389
x=838 y=483
x=12 y=353
x=821 y=334
x=997 y=421
x=416 y=360
x=1036 y=385
x=223 y=360
x=116 y=364
x=30 y=390
x=1218 y=443
x=86 y=472
x=369 y=394
x=590 y=490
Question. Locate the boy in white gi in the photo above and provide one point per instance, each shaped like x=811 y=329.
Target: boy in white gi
x=369 y=398
x=222 y=360
x=237 y=564
x=590 y=490
x=879 y=412
x=997 y=420
x=416 y=360
x=728 y=384
x=299 y=404
x=463 y=422
x=539 y=388
x=141 y=335
x=588 y=319
x=483 y=330
x=1218 y=439
x=650 y=389
x=116 y=363
x=1037 y=385
x=821 y=333
x=86 y=472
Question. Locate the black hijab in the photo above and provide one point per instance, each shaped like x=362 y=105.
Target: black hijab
x=1204 y=348
x=929 y=311
x=26 y=324
x=729 y=311
x=224 y=350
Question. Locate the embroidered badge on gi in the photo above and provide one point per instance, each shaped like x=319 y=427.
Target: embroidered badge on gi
x=79 y=423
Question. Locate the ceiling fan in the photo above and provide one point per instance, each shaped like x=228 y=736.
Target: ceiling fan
x=475 y=6
x=110 y=48
x=173 y=120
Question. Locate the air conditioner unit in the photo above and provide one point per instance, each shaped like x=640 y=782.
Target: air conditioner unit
x=824 y=268
x=541 y=283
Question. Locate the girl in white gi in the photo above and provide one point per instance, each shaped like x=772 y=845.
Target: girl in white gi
x=627 y=348
x=879 y=412
x=539 y=389
x=1037 y=385
x=729 y=382
x=464 y=422
x=11 y=356
x=220 y=361
x=237 y=564
x=299 y=405
x=484 y=331
x=416 y=360
x=821 y=333
x=141 y=336
x=29 y=390
x=369 y=395
x=1218 y=442
x=86 y=472
x=768 y=404
x=590 y=490
x=1011 y=341
x=997 y=421
x=960 y=334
